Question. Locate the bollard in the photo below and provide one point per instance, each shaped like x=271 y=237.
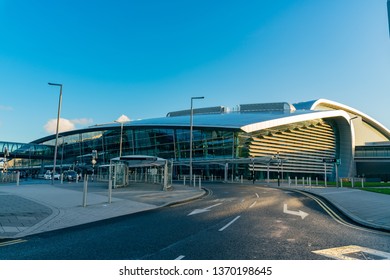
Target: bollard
x=316 y=181
x=341 y=183
x=85 y=191
x=296 y=181
x=303 y=181
x=289 y=181
x=109 y=190
x=184 y=180
x=242 y=179
x=200 y=182
x=18 y=178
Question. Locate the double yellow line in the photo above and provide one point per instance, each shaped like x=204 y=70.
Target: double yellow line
x=12 y=242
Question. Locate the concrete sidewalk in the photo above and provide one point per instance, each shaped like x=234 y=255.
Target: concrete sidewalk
x=366 y=208
x=36 y=208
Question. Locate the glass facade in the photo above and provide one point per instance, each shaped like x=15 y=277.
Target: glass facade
x=168 y=143
x=300 y=146
x=27 y=150
x=25 y=156
x=373 y=161
x=373 y=151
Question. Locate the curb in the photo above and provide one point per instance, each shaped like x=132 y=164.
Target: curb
x=344 y=211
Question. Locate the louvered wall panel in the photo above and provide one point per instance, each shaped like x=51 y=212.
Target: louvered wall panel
x=301 y=148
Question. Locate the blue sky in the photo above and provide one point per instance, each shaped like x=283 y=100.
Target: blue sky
x=145 y=58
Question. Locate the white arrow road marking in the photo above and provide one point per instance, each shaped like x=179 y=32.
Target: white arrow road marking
x=198 y=211
x=296 y=213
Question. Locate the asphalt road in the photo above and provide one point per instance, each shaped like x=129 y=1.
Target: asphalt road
x=231 y=222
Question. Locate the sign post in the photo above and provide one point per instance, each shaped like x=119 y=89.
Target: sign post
x=336 y=162
x=94 y=161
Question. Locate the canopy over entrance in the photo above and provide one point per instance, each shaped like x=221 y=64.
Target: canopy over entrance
x=140 y=161
x=140 y=169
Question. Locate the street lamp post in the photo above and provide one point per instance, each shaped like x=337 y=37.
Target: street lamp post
x=121 y=136
x=191 y=124
x=62 y=160
x=121 y=141
x=57 y=128
x=6 y=154
x=388 y=13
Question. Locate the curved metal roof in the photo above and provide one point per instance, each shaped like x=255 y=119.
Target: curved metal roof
x=233 y=120
x=246 y=121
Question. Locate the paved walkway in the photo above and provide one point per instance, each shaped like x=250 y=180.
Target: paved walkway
x=36 y=208
x=364 y=207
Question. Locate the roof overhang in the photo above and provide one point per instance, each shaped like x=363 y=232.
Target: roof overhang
x=140 y=161
x=295 y=119
x=321 y=103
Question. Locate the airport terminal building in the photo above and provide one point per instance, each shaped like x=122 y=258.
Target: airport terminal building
x=307 y=139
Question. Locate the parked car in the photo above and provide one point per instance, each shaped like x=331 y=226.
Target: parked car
x=70 y=175
x=57 y=176
x=48 y=175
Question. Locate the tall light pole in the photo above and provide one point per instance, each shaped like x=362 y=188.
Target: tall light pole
x=388 y=13
x=191 y=124
x=57 y=128
x=121 y=137
x=6 y=154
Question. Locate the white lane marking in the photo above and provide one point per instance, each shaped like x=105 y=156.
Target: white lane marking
x=12 y=242
x=180 y=258
x=253 y=204
x=229 y=224
x=257 y=195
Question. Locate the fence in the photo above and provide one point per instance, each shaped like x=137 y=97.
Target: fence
x=8 y=177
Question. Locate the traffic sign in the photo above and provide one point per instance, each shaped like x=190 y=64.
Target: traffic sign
x=329 y=160
x=332 y=160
